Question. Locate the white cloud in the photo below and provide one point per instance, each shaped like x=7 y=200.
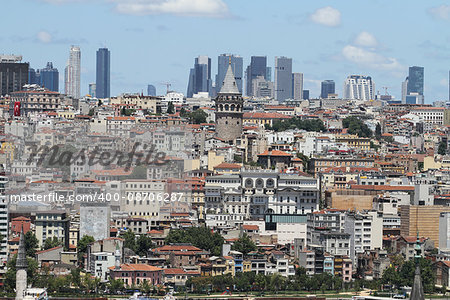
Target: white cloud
x=203 y=8
x=327 y=16
x=440 y=12
x=444 y=82
x=44 y=37
x=370 y=59
x=366 y=39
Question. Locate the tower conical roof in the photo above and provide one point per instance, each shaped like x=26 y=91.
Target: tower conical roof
x=417 y=288
x=229 y=85
x=21 y=262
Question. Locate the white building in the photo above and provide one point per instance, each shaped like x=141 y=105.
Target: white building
x=174 y=97
x=100 y=264
x=430 y=115
x=95 y=219
x=3 y=224
x=72 y=73
x=359 y=87
x=444 y=230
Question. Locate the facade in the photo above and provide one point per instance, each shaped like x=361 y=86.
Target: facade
x=359 y=87
x=444 y=230
x=35 y=99
x=229 y=106
x=72 y=75
x=4 y=228
x=200 y=76
x=13 y=74
x=257 y=68
x=135 y=274
x=297 y=86
x=327 y=87
x=95 y=220
x=415 y=80
x=236 y=66
x=283 y=78
x=52 y=223
x=103 y=82
x=49 y=78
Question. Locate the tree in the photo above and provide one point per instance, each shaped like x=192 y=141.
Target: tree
x=170 y=108
x=115 y=285
x=276 y=282
x=390 y=276
x=244 y=244
x=91 y=112
x=75 y=277
x=145 y=287
x=378 y=131
x=51 y=243
x=143 y=244
x=129 y=240
x=31 y=244
x=356 y=126
x=139 y=172
x=83 y=244
x=407 y=274
x=200 y=237
x=10 y=275
x=442 y=149
x=198 y=116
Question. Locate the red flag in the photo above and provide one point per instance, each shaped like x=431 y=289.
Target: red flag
x=17 y=109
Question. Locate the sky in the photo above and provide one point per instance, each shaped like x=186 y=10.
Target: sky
x=156 y=41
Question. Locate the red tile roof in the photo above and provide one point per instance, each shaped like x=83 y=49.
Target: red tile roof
x=137 y=267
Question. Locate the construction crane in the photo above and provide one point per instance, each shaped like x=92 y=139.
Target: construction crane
x=168 y=85
x=386 y=89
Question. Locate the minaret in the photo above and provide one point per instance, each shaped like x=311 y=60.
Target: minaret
x=417 y=288
x=229 y=105
x=21 y=268
x=117 y=256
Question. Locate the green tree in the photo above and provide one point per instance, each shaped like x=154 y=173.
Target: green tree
x=91 y=112
x=83 y=244
x=75 y=277
x=184 y=113
x=139 y=172
x=10 y=275
x=442 y=149
x=356 y=126
x=31 y=244
x=170 y=108
x=201 y=237
x=198 y=116
x=244 y=244
x=129 y=240
x=444 y=289
x=390 y=276
x=261 y=281
x=145 y=287
x=407 y=274
x=276 y=282
x=51 y=243
x=115 y=285
x=143 y=244
x=378 y=131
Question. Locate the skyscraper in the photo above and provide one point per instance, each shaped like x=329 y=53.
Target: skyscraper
x=404 y=90
x=103 y=83
x=415 y=80
x=72 y=78
x=297 y=86
x=13 y=74
x=151 y=90
x=222 y=66
x=359 y=87
x=33 y=76
x=257 y=67
x=283 y=78
x=327 y=87
x=200 y=76
x=93 y=90
x=305 y=94
x=49 y=77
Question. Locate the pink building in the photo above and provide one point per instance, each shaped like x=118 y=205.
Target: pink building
x=347 y=270
x=135 y=274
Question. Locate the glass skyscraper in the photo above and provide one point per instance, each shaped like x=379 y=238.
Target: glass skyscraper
x=257 y=67
x=200 y=76
x=283 y=78
x=103 y=83
x=49 y=77
x=151 y=90
x=415 y=80
x=222 y=67
x=72 y=76
x=327 y=87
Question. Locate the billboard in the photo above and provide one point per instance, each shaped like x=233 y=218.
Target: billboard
x=17 y=109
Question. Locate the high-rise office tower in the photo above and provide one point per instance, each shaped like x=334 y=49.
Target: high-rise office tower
x=297 y=86
x=269 y=74
x=283 y=78
x=222 y=66
x=49 y=77
x=359 y=87
x=151 y=90
x=93 y=90
x=305 y=94
x=200 y=76
x=33 y=76
x=415 y=80
x=13 y=74
x=257 y=67
x=404 y=90
x=72 y=77
x=327 y=87
x=102 y=82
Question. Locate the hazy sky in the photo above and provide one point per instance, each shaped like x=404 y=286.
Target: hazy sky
x=155 y=41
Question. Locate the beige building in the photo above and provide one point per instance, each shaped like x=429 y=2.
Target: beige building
x=149 y=103
x=142 y=198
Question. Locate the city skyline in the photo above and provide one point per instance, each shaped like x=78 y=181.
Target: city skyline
x=344 y=48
